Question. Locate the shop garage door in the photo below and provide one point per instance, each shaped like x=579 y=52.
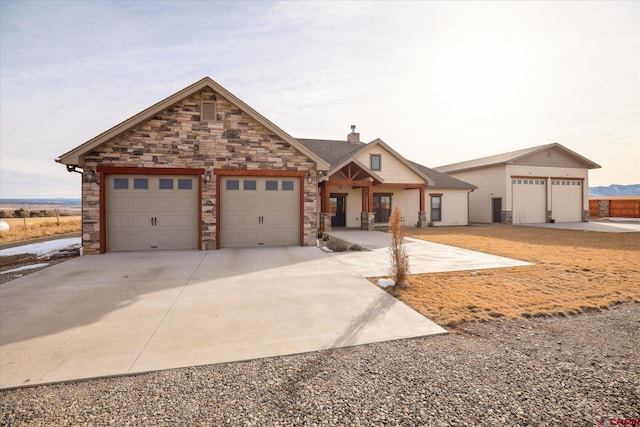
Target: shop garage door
x=257 y=211
x=529 y=201
x=566 y=200
x=152 y=212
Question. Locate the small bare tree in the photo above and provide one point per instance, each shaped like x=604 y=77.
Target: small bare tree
x=399 y=257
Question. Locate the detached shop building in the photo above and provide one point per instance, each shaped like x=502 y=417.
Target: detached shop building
x=548 y=183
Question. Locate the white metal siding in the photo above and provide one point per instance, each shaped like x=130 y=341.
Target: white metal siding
x=491 y=183
x=454 y=209
x=151 y=218
x=259 y=217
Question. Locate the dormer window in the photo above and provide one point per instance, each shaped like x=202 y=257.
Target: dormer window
x=376 y=162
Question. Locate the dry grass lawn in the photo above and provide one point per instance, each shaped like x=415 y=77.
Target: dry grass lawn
x=574 y=272
x=38 y=227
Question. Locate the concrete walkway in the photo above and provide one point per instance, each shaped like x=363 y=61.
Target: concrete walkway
x=424 y=256
x=122 y=313
x=599 y=226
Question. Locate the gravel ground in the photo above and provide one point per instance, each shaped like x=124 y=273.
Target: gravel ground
x=552 y=371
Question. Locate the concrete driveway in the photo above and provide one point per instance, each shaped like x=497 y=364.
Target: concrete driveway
x=124 y=313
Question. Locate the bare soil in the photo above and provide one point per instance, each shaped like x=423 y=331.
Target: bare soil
x=573 y=272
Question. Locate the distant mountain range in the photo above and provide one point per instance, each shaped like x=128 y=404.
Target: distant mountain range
x=59 y=202
x=615 y=190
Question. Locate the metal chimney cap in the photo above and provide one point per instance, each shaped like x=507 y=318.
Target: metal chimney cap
x=353 y=128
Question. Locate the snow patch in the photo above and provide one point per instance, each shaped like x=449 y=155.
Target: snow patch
x=43 y=248
x=25 y=267
x=385 y=283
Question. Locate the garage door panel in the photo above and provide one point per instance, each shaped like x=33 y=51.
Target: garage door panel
x=566 y=200
x=121 y=221
x=139 y=221
x=120 y=201
x=140 y=202
x=529 y=201
x=258 y=213
x=165 y=202
x=160 y=213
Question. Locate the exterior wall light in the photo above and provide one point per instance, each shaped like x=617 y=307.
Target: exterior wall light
x=207 y=177
x=309 y=177
x=91 y=175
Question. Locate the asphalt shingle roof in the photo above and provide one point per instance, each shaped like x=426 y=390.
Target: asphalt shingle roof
x=331 y=151
x=336 y=152
x=442 y=180
x=503 y=158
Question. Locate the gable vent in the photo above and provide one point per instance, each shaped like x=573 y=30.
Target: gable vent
x=208 y=112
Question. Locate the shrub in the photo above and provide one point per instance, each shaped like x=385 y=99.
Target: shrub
x=399 y=257
x=337 y=245
x=356 y=247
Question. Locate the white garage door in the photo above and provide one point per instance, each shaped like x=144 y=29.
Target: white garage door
x=529 y=201
x=152 y=212
x=258 y=211
x=566 y=200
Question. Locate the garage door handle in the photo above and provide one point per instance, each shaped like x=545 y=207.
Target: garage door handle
x=154 y=220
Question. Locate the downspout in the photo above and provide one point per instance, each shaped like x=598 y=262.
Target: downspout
x=73 y=168
x=468 y=206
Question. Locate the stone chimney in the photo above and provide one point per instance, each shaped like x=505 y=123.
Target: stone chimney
x=353 y=137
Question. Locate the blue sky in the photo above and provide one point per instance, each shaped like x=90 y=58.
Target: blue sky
x=440 y=82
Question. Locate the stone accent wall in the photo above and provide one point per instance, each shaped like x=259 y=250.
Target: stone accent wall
x=506 y=217
x=422 y=219
x=177 y=138
x=367 y=221
x=325 y=221
x=585 y=216
x=603 y=208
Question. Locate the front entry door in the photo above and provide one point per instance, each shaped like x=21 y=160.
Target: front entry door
x=338 y=210
x=497 y=209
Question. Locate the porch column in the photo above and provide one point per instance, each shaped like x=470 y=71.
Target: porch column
x=422 y=213
x=325 y=207
x=367 y=216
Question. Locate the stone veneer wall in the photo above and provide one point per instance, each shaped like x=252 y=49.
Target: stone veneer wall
x=176 y=138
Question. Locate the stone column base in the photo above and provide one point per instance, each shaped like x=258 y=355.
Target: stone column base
x=585 y=216
x=422 y=220
x=325 y=222
x=367 y=220
x=507 y=217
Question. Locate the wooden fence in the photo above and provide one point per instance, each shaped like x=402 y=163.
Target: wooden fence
x=615 y=208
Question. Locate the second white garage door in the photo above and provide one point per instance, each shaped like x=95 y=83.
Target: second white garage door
x=529 y=201
x=257 y=211
x=566 y=200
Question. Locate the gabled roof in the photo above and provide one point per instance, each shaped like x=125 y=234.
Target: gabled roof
x=72 y=157
x=507 y=158
x=442 y=180
x=339 y=153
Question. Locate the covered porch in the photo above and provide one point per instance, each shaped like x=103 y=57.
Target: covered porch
x=356 y=197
